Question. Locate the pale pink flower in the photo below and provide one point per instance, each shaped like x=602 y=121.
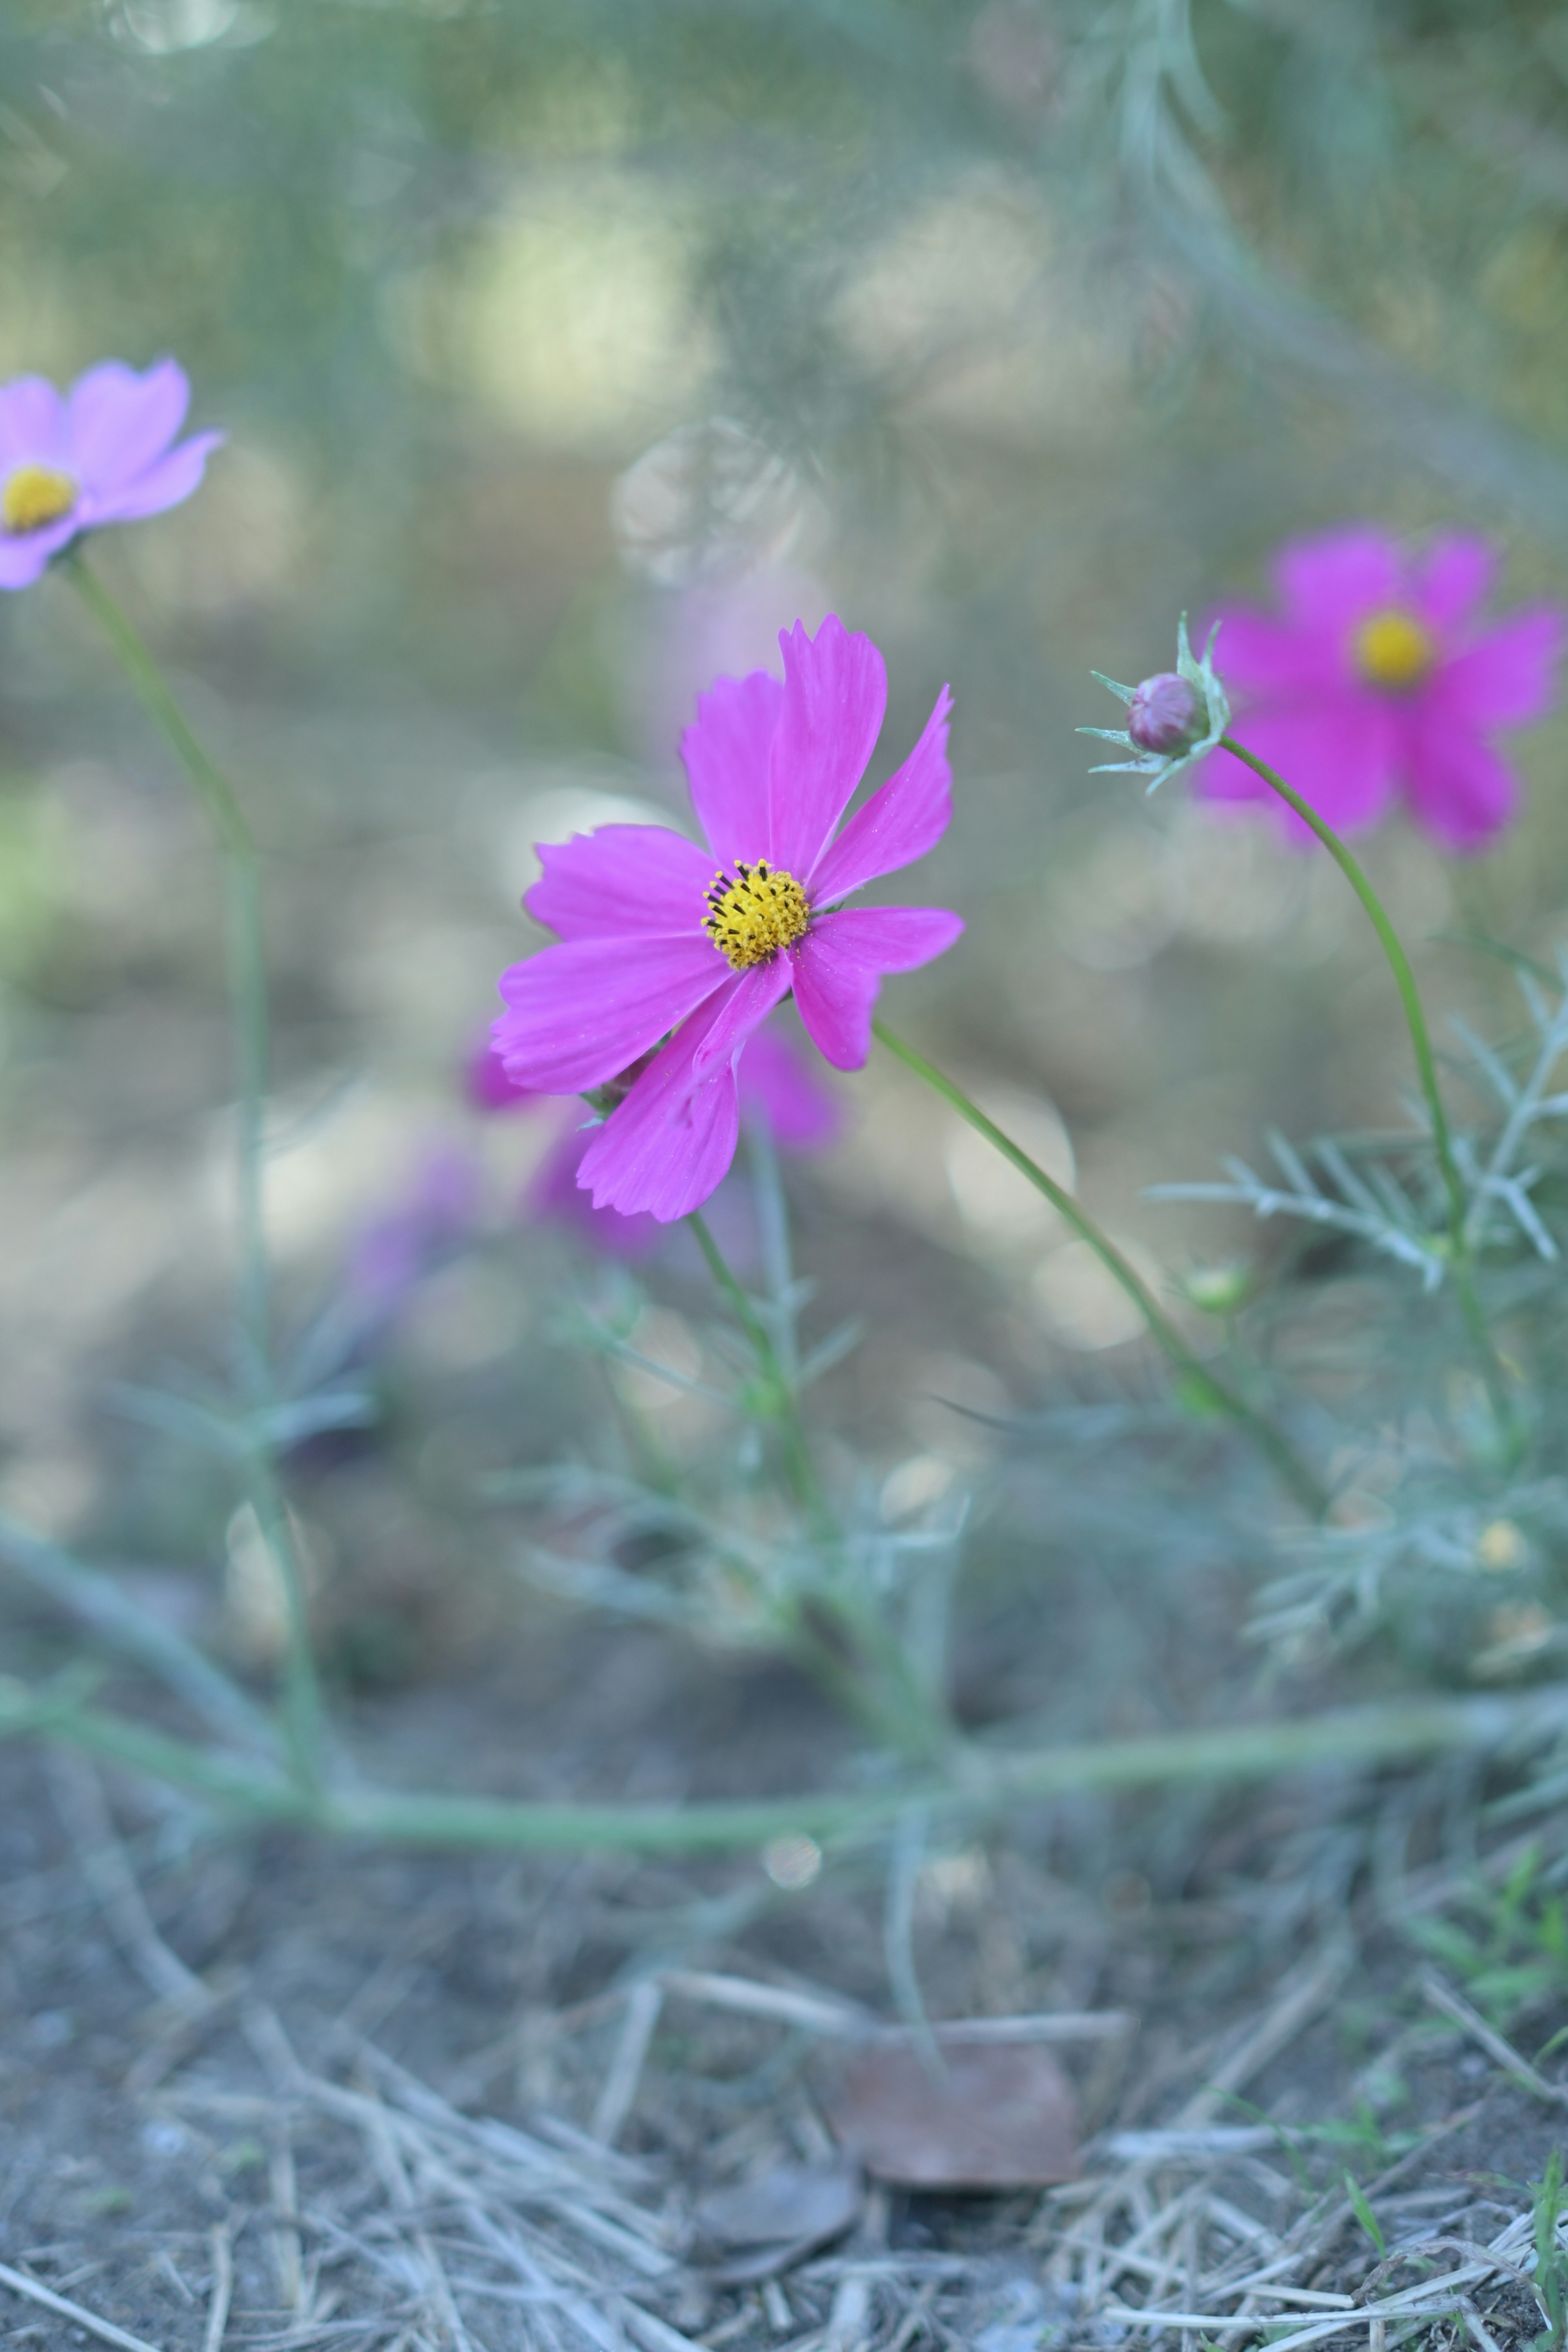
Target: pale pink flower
x=71 y=462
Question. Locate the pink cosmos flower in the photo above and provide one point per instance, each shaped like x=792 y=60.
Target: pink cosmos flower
x=653 y=941
x=1379 y=680
x=100 y=453
x=776 y=1091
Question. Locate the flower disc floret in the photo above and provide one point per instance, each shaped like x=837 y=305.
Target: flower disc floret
x=751 y=918
x=34 y=496
x=1392 y=649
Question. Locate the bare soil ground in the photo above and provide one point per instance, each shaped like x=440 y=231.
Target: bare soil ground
x=269 y=2093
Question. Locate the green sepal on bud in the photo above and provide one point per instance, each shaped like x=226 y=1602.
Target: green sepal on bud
x=1172 y=718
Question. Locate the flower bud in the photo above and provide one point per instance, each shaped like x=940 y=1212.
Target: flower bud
x=1164 y=714
x=1172 y=720
x=1217 y=1289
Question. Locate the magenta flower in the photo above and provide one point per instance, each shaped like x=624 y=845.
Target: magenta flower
x=653 y=941
x=1380 y=679
x=777 y=1091
x=100 y=453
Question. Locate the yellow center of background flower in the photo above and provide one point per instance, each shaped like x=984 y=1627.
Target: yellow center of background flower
x=34 y=496
x=762 y=911
x=1390 y=649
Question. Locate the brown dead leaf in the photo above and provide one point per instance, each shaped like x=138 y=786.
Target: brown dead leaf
x=1001 y=2116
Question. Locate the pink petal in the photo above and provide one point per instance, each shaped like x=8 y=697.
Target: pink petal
x=835 y=691
x=1259 y=657
x=747 y=1003
x=555 y=1193
x=1507 y=678
x=26 y=557
x=622 y=878
x=581 y=1013
x=32 y=424
x=488 y=1085
x=1461 y=791
x=670 y=1143
x=165 y=484
x=779 y=1090
x=1341 y=755
x=118 y=422
x=1336 y=579
x=898 y=823
x=726 y=755
x=1451 y=579
x=839 y=964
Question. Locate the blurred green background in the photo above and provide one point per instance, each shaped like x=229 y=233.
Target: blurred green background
x=568 y=352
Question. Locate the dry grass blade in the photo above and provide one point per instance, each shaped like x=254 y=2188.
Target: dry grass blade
x=843 y=2020
x=1453 y=2005
x=104 y=1864
x=1304 y=1993
x=80 y=2316
x=222 y=2290
x=1234 y=2302
x=618 y=2094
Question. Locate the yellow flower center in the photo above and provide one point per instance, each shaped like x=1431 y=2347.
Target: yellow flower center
x=762 y=911
x=1393 y=650
x=34 y=496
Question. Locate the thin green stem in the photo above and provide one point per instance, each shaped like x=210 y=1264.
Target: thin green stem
x=1398 y=964
x=244 y=942
x=836 y=1638
x=989 y=1784
x=778 y=1399
x=303 y=1713
x=1459 y=1250
x=1201 y=1385
x=245 y=955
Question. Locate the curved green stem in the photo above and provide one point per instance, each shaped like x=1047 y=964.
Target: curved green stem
x=1398 y=964
x=245 y=952
x=1459 y=1250
x=1201 y=1385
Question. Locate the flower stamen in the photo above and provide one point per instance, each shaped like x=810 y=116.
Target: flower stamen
x=1392 y=649
x=34 y=496
x=762 y=911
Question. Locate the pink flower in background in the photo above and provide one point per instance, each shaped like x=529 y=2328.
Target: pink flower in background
x=101 y=453
x=654 y=941
x=1380 y=678
x=435 y=1214
x=778 y=1091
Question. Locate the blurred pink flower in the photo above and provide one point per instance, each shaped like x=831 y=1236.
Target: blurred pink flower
x=391 y=1255
x=654 y=941
x=100 y=453
x=778 y=1091
x=1380 y=678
